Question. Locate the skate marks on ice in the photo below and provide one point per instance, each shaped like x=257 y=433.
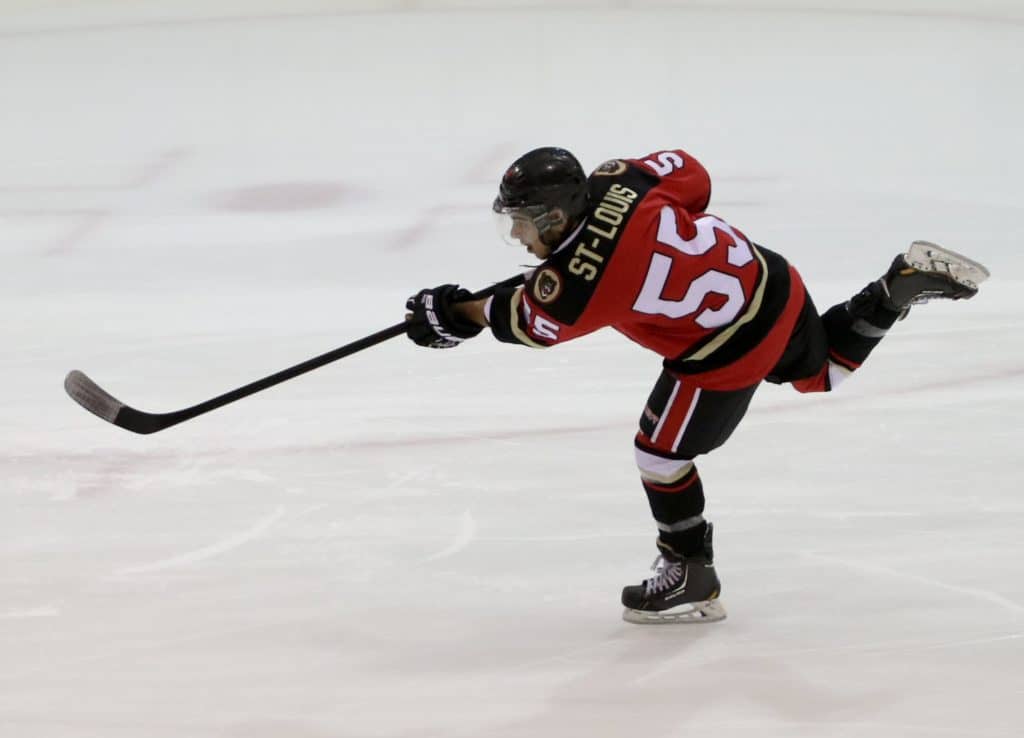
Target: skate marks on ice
x=977 y=594
x=756 y=671
x=45 y=611
x=759 y=650
x=465 y=536
x=219 y=548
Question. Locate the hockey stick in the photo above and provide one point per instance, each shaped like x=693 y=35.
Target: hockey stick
x=96 y=400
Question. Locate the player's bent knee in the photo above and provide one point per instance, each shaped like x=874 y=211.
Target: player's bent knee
x=829 y=378
x=660 y=469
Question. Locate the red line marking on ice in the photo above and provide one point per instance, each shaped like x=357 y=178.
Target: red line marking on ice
x=416 y=232
x=837 y=398
x=148 y=173
x=491 y=164
x=156 y=169
x=86 y=226
x=485 y=169
x=120 y=462
x=83 y=223
x=628 y=425
x=86 y=222
x=105 y=479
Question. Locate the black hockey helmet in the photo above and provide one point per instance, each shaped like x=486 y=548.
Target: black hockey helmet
x=536 y=185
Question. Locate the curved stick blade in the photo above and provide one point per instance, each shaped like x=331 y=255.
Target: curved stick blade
x=91 y=396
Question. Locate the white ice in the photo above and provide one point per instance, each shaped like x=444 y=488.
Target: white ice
x=410 y=543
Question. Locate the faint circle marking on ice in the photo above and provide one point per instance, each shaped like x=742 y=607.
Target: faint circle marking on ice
x=467 y=532
x=207 y=552
x=282 y=197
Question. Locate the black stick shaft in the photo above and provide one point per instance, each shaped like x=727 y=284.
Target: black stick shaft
x=309 y=365
x=282 y=376
x=93 y=398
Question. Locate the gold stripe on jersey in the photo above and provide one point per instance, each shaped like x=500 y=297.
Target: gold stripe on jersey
x=519 y=333
x=752 y=310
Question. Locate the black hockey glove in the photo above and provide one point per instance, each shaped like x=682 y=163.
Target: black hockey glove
x=433 y=321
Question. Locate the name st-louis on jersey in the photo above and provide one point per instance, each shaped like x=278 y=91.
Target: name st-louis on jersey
x=650 y=262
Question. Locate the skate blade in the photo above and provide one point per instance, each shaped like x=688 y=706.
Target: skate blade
x=930 y=257
x=709 y=611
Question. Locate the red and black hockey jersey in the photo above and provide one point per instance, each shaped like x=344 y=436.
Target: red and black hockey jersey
x=650 y=262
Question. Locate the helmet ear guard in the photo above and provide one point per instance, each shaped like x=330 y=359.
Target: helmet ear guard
x=548 y=223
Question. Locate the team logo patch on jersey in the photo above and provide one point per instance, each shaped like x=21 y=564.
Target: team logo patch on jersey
x=610 y=168
x=547 y=286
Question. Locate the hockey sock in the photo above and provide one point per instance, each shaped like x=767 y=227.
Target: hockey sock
x=678 y=509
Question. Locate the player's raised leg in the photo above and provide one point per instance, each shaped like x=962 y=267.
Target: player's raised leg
x=840 y=341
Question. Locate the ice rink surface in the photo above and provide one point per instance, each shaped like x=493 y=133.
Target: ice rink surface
x=412 y=543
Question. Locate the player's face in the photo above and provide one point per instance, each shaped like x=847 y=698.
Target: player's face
x=518 y=227
x=524 y=230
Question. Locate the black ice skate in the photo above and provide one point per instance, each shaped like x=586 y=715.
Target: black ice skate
x=927 y=272
x=681 y=591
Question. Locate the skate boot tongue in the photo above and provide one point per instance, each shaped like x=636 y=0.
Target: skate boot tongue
x=667 y=574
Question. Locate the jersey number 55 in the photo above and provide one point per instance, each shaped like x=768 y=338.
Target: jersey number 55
x=712 y=281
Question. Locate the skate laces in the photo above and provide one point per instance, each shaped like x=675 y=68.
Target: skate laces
x=667 y=574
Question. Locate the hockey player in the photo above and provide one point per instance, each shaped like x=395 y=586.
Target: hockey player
x=633 y=247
